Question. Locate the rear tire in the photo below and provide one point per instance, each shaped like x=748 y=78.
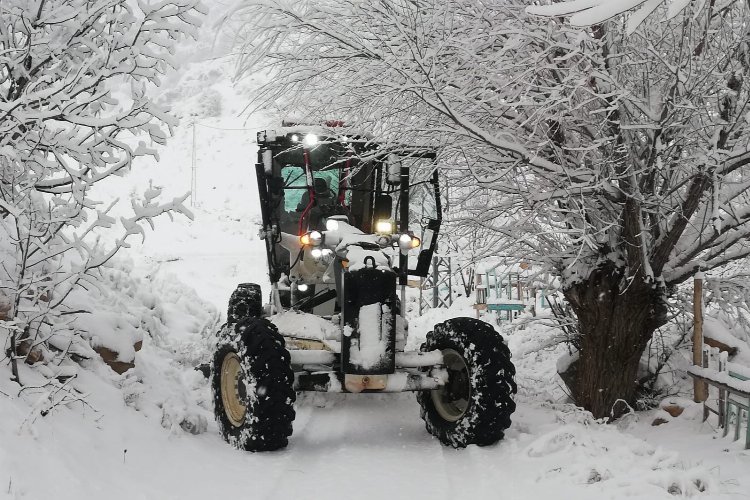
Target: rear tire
x=252 y=385
x=475 y=405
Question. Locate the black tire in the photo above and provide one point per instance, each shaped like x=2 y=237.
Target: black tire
x=264 y=387
x=245 y=302
x=478 y=396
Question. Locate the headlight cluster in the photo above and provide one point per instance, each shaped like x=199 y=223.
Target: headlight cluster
x=383 y=228
x=313 y=238
x=405 y=241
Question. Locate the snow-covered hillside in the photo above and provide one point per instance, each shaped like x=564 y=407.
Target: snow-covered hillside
x=150 y=434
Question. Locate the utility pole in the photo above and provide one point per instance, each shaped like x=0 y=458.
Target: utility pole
x=193 y=174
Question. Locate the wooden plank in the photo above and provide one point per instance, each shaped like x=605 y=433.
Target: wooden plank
x=720 y=385
x=506 y=307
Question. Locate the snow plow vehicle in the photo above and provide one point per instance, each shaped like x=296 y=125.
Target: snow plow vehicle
x=336 y=209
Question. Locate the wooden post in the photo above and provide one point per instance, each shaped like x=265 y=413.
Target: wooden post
x=477 y=284
x=700 y=389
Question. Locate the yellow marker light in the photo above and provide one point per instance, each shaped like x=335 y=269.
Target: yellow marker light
x=415 y=242
x=305 y=239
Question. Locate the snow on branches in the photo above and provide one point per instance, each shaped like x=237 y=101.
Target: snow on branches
x=590 y=12
x=578 y=147
x=619 y=162
x=74 y=76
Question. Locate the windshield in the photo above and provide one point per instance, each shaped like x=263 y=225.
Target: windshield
x=296 y=194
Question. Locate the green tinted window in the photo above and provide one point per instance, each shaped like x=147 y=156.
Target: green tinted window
x=295 y=185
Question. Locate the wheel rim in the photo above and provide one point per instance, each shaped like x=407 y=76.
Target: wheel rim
x=452 y=400
x=232 y=391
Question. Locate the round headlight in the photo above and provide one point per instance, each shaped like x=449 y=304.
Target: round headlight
x=404 y=241
x=311 y=140
x=316 y=237
x=332 y=225
x=316 y=253
x=302 y=287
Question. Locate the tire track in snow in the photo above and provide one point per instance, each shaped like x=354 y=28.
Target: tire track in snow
x=372 y=446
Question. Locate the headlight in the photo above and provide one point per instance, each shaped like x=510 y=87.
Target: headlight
x=332 y=225
x=311 y=140
x=384 y=227
x=321 y=253
x=406 y=242
x=314 y=238
x=302 y=287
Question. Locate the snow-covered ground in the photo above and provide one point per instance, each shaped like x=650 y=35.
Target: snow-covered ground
x=131 y=438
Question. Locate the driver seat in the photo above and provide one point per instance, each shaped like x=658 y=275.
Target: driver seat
x=323 y=195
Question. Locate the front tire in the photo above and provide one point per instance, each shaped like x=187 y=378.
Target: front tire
x=245 y=302
x=475 y=405
x=252 y=384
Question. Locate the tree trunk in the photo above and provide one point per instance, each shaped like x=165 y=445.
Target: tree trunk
x=617 y=315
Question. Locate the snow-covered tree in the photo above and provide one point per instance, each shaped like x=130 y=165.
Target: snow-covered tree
x=618 y=162
x=591 y=12
x=73 y=101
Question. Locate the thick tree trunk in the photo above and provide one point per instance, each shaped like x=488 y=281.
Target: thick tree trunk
x=616 y=318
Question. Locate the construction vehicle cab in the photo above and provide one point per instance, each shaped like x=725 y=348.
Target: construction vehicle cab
x=309 y=177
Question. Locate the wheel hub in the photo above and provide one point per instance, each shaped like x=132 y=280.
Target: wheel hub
x=452 y=400
x=233 y=393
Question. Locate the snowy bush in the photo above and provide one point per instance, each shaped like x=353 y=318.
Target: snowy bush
x=66 y=128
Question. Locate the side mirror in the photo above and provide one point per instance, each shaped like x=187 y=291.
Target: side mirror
x=393 y=176
x=268 y=162
x=429 y=244
x=383 y=204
